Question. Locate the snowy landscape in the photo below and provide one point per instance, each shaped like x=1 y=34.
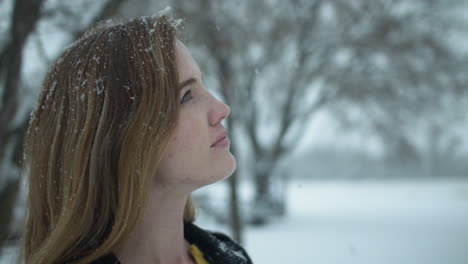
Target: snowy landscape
x=397 y=222
x=362 y=222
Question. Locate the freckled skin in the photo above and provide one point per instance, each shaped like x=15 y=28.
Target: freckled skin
x=190 y=161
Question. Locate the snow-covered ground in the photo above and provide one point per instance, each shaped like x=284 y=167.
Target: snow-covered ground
x=363 y=222
x=374 y=222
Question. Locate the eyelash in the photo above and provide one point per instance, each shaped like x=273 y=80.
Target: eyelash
x=184 y=99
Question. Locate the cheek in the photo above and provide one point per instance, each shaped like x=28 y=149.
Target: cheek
x=188 y=141
x=176 y=146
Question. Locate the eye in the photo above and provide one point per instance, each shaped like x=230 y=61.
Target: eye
x=187 y=96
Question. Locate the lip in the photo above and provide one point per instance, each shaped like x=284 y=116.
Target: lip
x=221 y=141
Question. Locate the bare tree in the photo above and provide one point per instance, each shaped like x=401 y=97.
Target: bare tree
x=25 y=15
x=401 y=72
x=263 y=49
x=278 y=63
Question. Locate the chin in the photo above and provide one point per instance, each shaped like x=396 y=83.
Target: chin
x=224 y=169
x=227 y=166
x=233 y=166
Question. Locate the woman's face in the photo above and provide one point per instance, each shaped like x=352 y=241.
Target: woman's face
x=198 y=152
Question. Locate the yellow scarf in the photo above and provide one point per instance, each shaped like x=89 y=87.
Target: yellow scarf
x=197 y=255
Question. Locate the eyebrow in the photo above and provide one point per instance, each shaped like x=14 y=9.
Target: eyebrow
x=189 y=81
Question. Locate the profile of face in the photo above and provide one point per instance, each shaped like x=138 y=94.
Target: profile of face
x=198 y=152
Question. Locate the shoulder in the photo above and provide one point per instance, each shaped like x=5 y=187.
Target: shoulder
x=216 y=247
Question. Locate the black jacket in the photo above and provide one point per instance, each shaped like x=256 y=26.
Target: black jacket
x=217 y=248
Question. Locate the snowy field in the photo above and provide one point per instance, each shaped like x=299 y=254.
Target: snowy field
x=367 y=222
x=364 y=222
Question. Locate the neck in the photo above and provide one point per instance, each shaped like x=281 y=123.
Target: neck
x=159 y=237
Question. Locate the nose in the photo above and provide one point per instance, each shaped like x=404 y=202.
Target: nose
x=220 y=111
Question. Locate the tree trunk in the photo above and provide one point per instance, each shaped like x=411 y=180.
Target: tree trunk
x=262 y=187
x=235 y=219
x=7 y=202
x=264 y=202
x=26 y=13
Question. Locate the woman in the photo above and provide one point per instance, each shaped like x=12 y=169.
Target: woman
x=123 y=132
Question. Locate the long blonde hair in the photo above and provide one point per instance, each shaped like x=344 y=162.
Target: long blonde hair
x=102 y=122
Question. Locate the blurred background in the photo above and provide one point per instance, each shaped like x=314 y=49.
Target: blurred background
x=349 y=120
